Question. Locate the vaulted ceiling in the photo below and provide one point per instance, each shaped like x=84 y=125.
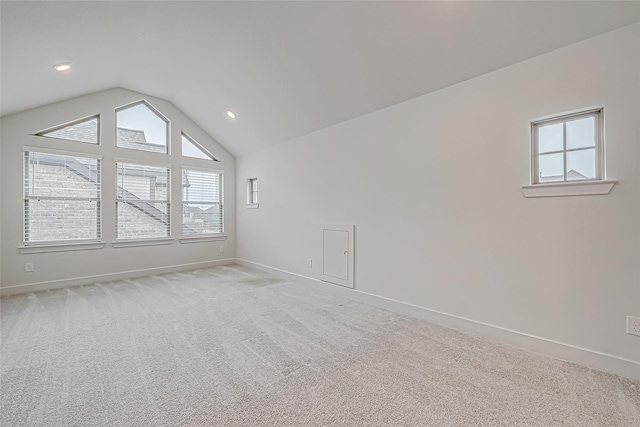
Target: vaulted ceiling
x=285 y=68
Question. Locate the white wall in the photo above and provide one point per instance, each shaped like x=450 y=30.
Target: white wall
x=433 y=186
x=61 y=268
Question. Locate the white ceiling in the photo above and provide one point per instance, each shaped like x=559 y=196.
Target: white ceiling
x=287 y=69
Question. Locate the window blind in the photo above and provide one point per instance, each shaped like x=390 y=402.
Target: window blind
x=61 y=198
x=202 y=202
x=143 y=201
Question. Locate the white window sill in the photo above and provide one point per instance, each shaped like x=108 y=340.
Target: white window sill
x=141 y=242
x=60 y=247
x=252 y=205
x=203 y=238
x=559 y=189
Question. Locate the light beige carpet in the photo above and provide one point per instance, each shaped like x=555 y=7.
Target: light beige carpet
x=231 y=346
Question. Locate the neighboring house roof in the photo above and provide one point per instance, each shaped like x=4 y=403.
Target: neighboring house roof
x=84 y=132
x=133 y=138
x=572 y=175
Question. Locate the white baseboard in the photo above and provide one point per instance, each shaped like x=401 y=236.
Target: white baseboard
x=582 y=356
x=87 y=280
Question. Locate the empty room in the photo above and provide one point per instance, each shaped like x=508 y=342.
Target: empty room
x=320 y=213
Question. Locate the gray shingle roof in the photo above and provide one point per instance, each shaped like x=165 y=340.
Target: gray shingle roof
x=133 y=138
x=83 y=132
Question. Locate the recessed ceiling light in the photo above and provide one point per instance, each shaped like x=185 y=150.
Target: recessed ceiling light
x=231 y=114
x=63 y=66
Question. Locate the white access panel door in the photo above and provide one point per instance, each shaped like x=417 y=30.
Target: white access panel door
x=337 y=254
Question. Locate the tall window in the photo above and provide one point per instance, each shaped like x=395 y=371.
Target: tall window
x=202 y=202
x=61 y=198
x=568 y=148
x=252 y=191
x=143 y=201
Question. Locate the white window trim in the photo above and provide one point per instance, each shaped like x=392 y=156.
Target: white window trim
x=578 y=188
x=127 y=243
x=61 y=247
x=47 y=150
x=213 y=237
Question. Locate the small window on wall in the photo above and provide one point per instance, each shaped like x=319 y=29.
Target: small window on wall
x=252 y=193
x=139 y=126
x=568 y=148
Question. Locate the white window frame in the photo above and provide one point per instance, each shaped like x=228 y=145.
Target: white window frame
x=42 y=245
x=591 y=186
x=138 y=241
x=252 y=193
x=186 y=238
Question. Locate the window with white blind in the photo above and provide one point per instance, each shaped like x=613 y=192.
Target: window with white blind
x=202 y=202
x=61 y=198
x=143 y=201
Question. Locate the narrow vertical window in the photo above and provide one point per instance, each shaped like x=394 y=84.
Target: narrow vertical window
x=202 y=202
x=252 y=191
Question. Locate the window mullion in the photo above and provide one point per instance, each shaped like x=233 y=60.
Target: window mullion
x=564 y=150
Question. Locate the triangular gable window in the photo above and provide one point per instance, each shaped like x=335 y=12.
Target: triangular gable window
x=83 y=130
x=190 y=148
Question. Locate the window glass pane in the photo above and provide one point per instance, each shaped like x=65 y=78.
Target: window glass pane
x=61 y=197
x=581 y=164
x=202 y=207
x=142 y=201
x=140 y=128
x=551 y=167
x=53 y=175
x=138 y=219
x=83 y=131
x=550 y=138
x=60 y=220
x=190 y=149
x=200 y=218
x=581 y=133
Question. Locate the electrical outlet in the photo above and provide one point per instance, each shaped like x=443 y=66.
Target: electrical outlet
x=28 y=267
x=633 y=325
x=309 y=263
x=221 y=249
